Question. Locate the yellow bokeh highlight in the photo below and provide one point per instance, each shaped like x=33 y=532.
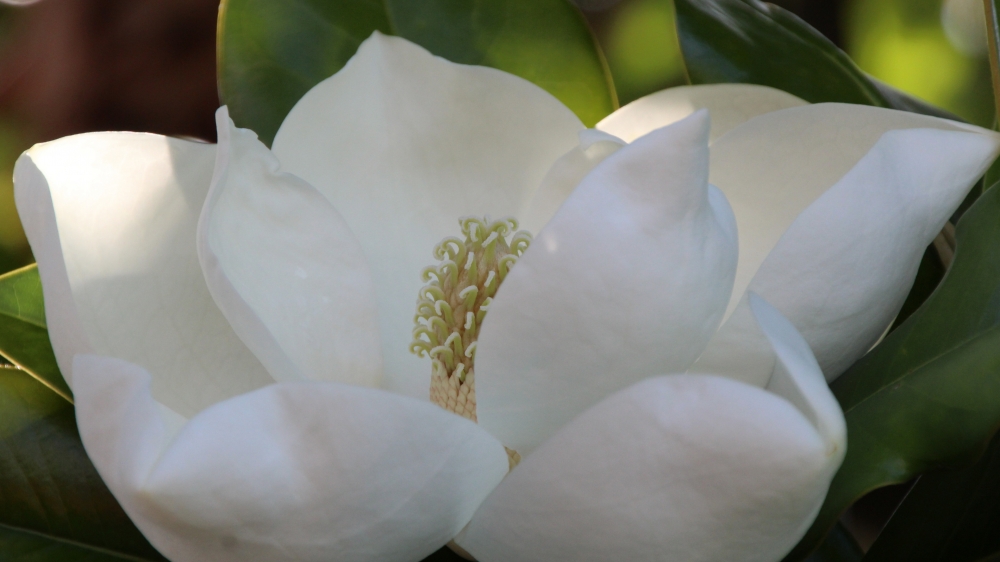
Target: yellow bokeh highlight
x=903 y=43
x=642 y=48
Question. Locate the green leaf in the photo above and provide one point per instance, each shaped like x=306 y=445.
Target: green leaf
x=24 y=339
x=271 y=52
x=929 y=275
x=839 y=546
x=22 y=546
x=53 y=504
x=748 y=41
x=948 y=516
x=752 y=42
x=928 y=397
x=21 y=296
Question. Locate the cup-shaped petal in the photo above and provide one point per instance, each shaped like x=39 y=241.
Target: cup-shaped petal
x=730 y=105
x=111 y=218
x=676 y=467
x=566 y=173
x=299 y=471
x=403 y=144
x=629 y=279
x=285 y=269
x=835 y=205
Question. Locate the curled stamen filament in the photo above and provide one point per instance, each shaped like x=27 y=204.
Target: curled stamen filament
x=432 y=293
x=448 y=355
x=421 y=348
x=455 y=341
x=505 y=264
x=469 y=295
x=444 y=309
x=421 y=330
x=451 y=247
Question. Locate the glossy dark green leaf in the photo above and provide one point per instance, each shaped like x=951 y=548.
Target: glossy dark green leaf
x=753 y=42
x=21 y=296
x=24 y=339
x=948 y=516
x=928 y=397
x=928 y=277
x=271 y=52
x=839 y=546
x=53 y=505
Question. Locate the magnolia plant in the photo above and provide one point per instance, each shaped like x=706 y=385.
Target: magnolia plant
x=441 y=310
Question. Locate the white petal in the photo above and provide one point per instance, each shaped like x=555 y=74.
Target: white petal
x=739 y=350
x=285 y=269
x=403 y=144
x=628 y=280
x=111 y=218
x=729 y=104
x=680 y=467
x=567 y=173
x=773 y=167
x=841 y=202
x=302 y=471
x=796 y=377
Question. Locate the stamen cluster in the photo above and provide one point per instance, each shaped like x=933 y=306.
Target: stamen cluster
x=453 y=304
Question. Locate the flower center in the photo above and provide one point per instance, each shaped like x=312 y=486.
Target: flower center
x=453 y=304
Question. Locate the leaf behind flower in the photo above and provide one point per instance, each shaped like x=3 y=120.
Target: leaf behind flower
x=271 y=52
x=928 y=397
x=53 y=504
x=24 y=338
x=754 y=42
x=949 y=515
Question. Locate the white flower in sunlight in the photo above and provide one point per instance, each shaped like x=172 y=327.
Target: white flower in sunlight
x=183 y=280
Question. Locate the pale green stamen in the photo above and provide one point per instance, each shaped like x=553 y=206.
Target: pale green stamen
x=452 y=306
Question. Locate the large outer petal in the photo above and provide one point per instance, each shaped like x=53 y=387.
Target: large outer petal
x=111 y=218
x=681 y=467
x=629 y=279
x=730 y=106
x=285 y=269
x=835 y=205
x=403 y=144
x=296 y=472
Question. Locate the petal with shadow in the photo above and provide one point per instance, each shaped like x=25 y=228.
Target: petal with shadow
x=111 y=218
x=299 y=471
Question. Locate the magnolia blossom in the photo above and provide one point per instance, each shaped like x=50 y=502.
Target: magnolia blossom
x=238 y=324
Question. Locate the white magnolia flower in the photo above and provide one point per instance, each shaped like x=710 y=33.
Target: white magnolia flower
x=183 y=280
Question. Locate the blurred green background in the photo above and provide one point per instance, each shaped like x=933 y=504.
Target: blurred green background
x=933 y=49
x=69 y=66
